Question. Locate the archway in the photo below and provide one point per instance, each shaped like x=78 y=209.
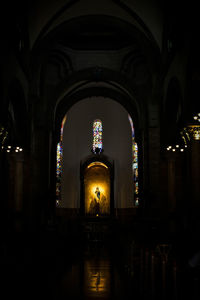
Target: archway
x=118 y=148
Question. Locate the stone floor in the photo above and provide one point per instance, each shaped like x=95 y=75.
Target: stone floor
x=119 y=265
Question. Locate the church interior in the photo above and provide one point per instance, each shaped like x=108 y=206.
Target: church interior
x=100 y=149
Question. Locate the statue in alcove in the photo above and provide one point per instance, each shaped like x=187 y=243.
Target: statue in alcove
x=95 y=203
x=98 y=194
x=98 y=203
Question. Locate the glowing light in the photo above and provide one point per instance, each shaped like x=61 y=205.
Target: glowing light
x=195 y=117
x=197 y=136
x=9 y=147
x=170 y=147
x=16 y=150
x=136 y=201
x=97 y=279
x=182 y=150
x=173 y=150
x=20 y=149
x=199 y=114
x=97 y=163
x=177 y=146
x=8 y=150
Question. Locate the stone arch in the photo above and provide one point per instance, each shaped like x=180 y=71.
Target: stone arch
x=56 y=20
x=149 y=52
x=56 y=68
x=119 y=95
x=123 y=99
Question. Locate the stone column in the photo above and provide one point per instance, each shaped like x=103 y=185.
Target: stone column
x=18 y=196
x=171 y=182
x=15 y=197
x=195 y=164
x=18 y=189
x=194 y=183
x=37 y=208
x=154 y=160
x=40 y=173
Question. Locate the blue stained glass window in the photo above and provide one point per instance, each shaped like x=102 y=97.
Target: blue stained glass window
x=97 y=135
x=59 y=163
x=134 y=163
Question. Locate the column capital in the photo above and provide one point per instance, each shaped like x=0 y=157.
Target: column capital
x=3 y=134
x=194 y=132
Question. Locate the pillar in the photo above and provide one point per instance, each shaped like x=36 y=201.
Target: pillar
x=40 y=175
x=194 y=180
x=171 y=182
x=154 y=160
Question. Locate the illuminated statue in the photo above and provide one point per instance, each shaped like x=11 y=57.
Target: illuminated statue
x=98 y=203
x=95 y=203
x=97 y=192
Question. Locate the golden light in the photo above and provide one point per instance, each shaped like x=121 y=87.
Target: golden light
x=195 y=117
x=97 y=163
x=194 y=131
x=173 y=150
x=97 y=279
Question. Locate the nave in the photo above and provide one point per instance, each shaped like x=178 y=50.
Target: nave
x=119 y=265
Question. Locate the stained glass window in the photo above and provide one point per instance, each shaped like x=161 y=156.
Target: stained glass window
x=97 y=135
x=59 y=164
x=134 y=163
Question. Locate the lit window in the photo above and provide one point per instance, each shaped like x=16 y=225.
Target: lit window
x=59 y=162
x=97 y=135
x=134 y=163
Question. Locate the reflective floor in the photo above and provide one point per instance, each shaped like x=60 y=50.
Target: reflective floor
x=119 y=267
x=137 y=272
